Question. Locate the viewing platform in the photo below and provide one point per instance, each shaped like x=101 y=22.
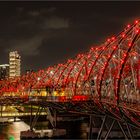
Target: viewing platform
x=20 y=114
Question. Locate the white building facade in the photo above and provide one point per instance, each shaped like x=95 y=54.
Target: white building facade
x=14 y=64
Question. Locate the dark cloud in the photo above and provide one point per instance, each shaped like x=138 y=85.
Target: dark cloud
x=30 y=28
x=34 y=13
x=26 y=46
x=56 y=23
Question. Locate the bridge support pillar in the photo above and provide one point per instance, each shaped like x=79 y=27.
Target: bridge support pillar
x=90 y=127
x=31 y=110
x=1 y=111
x=52 y=117
x=14 y=119
x=55 y=118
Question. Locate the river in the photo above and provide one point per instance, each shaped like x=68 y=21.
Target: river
x=74 y=129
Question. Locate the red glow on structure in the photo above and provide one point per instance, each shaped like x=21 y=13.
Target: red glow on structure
x=80 y=98
x=62 y=98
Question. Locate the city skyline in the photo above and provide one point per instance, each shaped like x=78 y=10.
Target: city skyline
x=48 y=33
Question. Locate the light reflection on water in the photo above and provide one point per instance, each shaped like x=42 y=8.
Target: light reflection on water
x=12 y=131
x=74 y=129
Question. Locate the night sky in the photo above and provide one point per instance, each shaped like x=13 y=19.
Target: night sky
x=47 y=33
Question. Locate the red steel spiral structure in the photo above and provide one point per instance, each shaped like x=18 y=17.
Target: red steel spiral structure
x=107 y=76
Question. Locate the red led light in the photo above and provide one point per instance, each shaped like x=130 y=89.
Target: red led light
x=88 y=56
x=92 y=48
x=113 y=38
x=128 y=25
x=124 y=55
x=79 y=55
x=137 y=31
x=123 y=35
x=108 y=39
x=129 y=44
x=114 y=47
x=122 y=61
x=136 y=21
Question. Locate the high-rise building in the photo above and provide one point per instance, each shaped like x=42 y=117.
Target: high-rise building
x=4 y=71
x=14 y=64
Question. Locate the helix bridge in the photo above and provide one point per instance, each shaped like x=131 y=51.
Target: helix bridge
x=103 y=81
